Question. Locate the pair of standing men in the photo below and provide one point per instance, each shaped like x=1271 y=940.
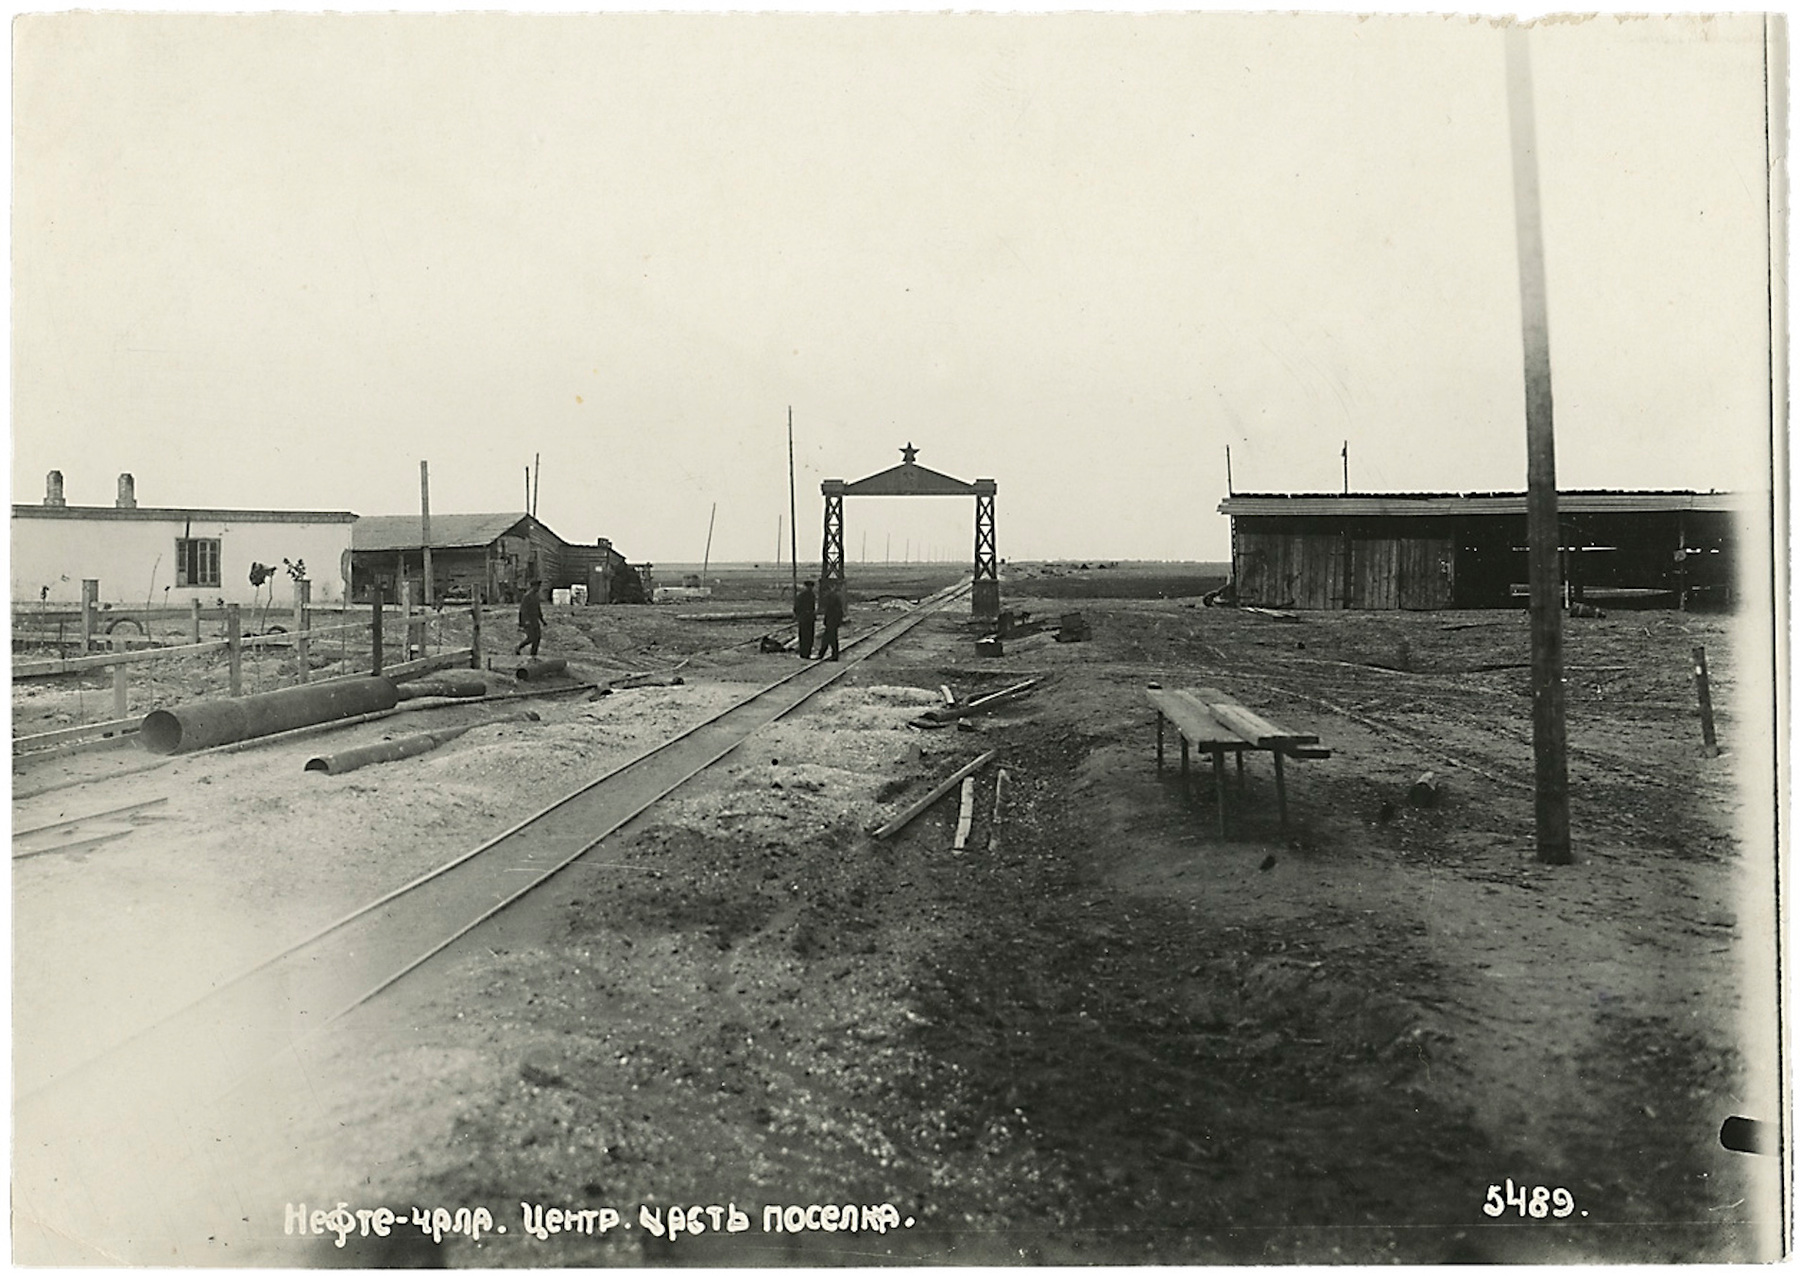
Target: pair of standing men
x=806 y=605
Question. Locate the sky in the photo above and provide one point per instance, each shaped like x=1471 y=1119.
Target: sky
x=275 y=261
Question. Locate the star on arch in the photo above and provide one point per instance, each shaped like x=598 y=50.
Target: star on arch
x=908 y=452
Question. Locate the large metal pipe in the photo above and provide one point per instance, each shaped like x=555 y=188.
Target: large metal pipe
x=535 y=668
x=464 y=683
x=407 y=746
x=208 y=722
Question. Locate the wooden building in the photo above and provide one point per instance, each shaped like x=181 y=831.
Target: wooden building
x=497 y=553
x=1423 y=551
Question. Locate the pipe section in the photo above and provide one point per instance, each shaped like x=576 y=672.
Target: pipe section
x=205 y=723
x=535 y=668
x=407 y=746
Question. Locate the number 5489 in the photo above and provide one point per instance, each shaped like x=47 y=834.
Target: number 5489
x=1536 y=1202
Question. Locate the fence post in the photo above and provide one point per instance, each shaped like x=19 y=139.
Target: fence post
x=1703 y=684
x=475 y=627
x=194 y=608
x=375 y=632
x=406 y=620
x=234 y=649
x=121 y=693
x=90 y=595
x=302 y=623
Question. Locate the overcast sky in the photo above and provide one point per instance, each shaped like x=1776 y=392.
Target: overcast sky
x=276 y=261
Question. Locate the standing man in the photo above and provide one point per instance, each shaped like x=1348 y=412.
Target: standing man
x=804 y=606
x=531 y=619
x=834 y=616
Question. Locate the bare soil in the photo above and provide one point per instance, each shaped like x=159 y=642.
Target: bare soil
x=1105 y=1035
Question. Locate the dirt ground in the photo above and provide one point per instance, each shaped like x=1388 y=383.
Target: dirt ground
x=1100 y=1033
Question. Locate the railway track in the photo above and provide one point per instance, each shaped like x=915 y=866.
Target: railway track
x=69 y=1125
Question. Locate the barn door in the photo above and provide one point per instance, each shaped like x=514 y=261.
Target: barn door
x=1374 y=574
x=1427 y=579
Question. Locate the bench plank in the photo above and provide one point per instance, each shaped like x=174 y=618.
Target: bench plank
x=1196 y=724
x=1253 y=727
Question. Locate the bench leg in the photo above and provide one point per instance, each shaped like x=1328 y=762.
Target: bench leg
x=1281 y=791
x=1159 y=740
x=1187 y=791
x=1218 y=760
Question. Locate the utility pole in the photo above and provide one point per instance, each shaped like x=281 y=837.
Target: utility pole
x=537 y=480
x=1346 y=467
x=778 y=540
x=706 y=559
x=793 y=531
x=1548 y=723
x=425 y=524
x=1228 y=488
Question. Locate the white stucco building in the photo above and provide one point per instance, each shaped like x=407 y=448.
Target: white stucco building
x=165 y=557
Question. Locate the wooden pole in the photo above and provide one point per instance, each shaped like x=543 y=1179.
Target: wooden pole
x=425 y=525
x=406 y=620
x=1228 y=487
x=234 y=649
x=303 y=623
x=528 y=489
x=778 y=519
x=706 y=558
x=1702 y=685
x=121 y=694
x=90 y=598
x=1548 y=723
x=376 y=620
x=475 y=628
x=537 y=480
x=793 y=529
x=1346 y=467
x=194 y=615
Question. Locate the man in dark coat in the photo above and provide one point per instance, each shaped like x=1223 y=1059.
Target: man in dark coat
x=834 y=616
x=804 y=606
x=531 y=619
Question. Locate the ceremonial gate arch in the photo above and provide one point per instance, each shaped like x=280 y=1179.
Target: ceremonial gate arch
x=912 y=479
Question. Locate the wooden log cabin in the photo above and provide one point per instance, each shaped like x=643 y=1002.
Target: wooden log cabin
x=1426 y=551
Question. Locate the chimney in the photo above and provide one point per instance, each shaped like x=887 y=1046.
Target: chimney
x=127 y=493
x=53 y=493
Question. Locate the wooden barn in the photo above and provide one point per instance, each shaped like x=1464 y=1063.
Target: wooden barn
x=1424 y=551
x=496 y=552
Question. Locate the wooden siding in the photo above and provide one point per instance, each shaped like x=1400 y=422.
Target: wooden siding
x=1290 y=570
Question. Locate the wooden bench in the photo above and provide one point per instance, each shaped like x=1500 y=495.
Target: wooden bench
x=1207 y=718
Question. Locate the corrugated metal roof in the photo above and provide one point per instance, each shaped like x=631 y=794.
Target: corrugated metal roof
x=1441 y=504
x=448 y=531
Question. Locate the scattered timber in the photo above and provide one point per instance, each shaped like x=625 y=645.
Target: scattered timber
x=940 y=715
x=918 y=808
x=1000 y=784
x=965 y=818
x=727 y=617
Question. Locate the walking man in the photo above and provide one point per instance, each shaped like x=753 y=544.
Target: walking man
x=531 y=619
x=804 y=606
x=834 y=616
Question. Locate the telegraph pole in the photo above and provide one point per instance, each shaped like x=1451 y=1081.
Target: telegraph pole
x=1549 y=726
x=425 y=525
x=793 y=533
